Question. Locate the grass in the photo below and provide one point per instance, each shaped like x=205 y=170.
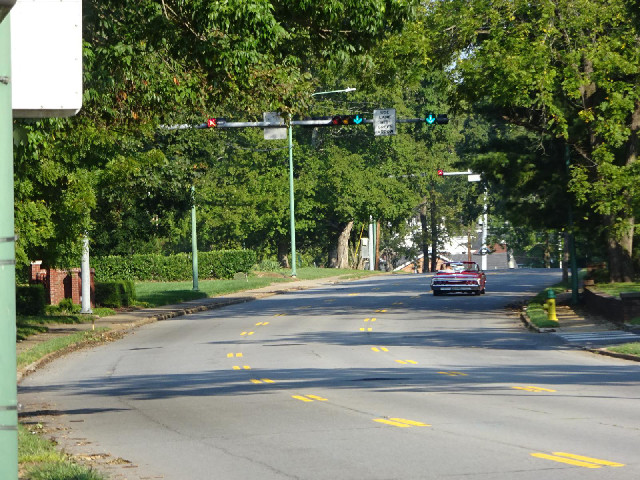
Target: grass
x=39 y=460
x=615 y=289
x=58 y=343
x=535 y=309
x=627 y=348
x=155 y=294
x=34 y=324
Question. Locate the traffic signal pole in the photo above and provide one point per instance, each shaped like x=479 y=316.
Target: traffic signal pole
x=291 y=205
x=8 y=384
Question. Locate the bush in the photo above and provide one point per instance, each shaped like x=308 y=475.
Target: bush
x=115 y=294
x=30 y=299
x=153 y=267
x=269 y=265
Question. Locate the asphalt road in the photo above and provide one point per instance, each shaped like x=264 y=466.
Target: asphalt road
x=371 y=379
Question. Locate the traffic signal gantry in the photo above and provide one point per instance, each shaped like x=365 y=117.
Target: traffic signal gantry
x=384 y=122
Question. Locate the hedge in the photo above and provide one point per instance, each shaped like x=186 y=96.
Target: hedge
x=30 y=299
x=115 y=294
x=154 y=267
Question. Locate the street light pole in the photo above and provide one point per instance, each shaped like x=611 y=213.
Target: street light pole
x=291 y=203
x=291 y=196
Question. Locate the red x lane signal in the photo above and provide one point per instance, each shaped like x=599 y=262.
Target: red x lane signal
x=212 y=122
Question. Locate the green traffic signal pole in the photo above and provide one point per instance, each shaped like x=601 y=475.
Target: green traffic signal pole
x=8 y=385
x=291 y=204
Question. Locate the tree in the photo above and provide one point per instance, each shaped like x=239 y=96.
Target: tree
x=568 y=69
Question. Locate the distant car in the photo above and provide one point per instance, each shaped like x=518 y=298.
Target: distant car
x=459 y=277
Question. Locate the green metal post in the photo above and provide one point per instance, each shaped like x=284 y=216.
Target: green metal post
x=8 y=386
x=194 y=240
x=291 y=205
x=572 y=241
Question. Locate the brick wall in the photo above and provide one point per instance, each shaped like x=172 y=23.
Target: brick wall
x=617 y=310
x=61 y=284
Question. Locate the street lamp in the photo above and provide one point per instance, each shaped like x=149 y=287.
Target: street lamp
x=291 y=197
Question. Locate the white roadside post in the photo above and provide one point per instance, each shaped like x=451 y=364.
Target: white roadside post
x=85 y=274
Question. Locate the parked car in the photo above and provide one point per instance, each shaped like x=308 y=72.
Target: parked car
x=459 y=277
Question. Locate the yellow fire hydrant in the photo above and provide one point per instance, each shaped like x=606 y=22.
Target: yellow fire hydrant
x=551 y=305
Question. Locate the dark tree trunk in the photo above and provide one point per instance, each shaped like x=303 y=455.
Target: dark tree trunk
x=565 y=258
x=283 y=251
x=424 y=235
x=434 y=237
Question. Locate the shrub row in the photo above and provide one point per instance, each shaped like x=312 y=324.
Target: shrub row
x=120 y=293
x=219 y=264
x=30 y=299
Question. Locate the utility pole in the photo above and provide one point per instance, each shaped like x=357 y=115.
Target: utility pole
x=8 y=385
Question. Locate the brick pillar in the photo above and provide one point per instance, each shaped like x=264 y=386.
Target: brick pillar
x=76 y=285
x=36 y=267
x=56 y=285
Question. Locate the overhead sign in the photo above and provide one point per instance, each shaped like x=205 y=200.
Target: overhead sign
x=274 y=133
x=384 y=122
x=46 y=58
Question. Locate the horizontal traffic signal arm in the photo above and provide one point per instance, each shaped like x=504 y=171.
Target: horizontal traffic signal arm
x=325 y=122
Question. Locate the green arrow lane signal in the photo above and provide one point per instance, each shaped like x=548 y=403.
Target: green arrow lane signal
x=358 y=119
x=440 y=119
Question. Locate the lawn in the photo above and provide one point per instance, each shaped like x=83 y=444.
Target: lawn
x=154 y=294
x=627 y=348
x=615 y=289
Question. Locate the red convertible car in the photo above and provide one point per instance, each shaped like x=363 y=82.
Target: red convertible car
x=459 y=277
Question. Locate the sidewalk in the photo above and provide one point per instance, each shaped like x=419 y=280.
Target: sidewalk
x=125 y=322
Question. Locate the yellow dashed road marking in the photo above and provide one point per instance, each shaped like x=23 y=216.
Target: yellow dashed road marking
x=454 y=374
x=246 y=333
x=262 y=323
x=309 y=398
x=577 y=460
x=380 y=349
x=381 y=310
x=531 y=388
x=262 y=380
x=401 y=422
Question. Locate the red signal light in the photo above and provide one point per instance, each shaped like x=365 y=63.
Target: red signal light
x=212 y=122
x=440 y=172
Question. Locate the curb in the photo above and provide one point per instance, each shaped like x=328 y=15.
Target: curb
x=607 y=353
x=527 y=322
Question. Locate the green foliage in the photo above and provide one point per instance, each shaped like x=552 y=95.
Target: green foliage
x=30 y=299
x=566 y=70
x=269 y=265
x=115 y=294
x=220 y=264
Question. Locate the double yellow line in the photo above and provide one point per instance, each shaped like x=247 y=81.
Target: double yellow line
x=577 y=460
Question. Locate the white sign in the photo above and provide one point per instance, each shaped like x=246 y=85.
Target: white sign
x=274 y=133
x=384 y=122
x=473 y=178
x=46 y=58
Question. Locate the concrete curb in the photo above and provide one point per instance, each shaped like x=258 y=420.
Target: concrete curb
x=607 y=353
x=527 y=322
